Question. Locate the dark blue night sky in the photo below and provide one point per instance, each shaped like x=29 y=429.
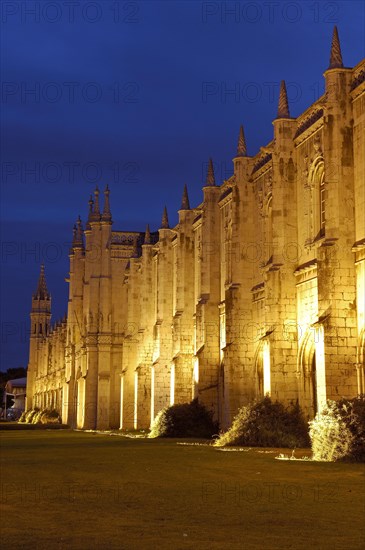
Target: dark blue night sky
x=137 y=95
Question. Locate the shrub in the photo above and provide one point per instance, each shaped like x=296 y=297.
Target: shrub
x=267 y=424
x=36 y=419
x=29 y=415
x=23 y=416
x=338 y=431
x=162 y=424
x=50 y=417
x=185 y=420
x=40 y=416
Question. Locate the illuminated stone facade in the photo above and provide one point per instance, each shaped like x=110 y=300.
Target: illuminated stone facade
x=259 y=289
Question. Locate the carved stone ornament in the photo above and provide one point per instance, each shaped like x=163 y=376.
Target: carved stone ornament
x=261 y=202
x=317 y=145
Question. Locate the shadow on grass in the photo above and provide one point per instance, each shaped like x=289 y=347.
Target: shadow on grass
x=23 y=426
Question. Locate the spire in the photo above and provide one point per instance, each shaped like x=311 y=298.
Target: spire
x=78 y=234
x=79 y=228
x=96 y=204
x=91 y=211
x=74 y=231
x=91 y=206
x=185 y=204
x=336 y=55
x=94 y=211
x=165 y=219
x=42 y=291
x=283 y=108
x=241 y=147
x=107 y=216
x=74 y=238
x=210 y=174
x=135 y=248
x=147 y=235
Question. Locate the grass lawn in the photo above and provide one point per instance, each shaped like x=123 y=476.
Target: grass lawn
x=73 y=490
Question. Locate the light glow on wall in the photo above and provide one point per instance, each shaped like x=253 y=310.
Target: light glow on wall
x=196 y=370
x=360 y=269
x=65 y=399
x=266 y=367
x=152 y=394
x=222 y=333
x=320 y=368
x=80 y=402
x=135 y=400
x=172 y=384
x=121 y=401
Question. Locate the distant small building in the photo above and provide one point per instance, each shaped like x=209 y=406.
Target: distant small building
x=17 y=388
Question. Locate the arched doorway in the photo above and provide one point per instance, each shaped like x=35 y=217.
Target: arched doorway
x=263 y=369
x=312 y=376
x=259 y=374
x=308 y=385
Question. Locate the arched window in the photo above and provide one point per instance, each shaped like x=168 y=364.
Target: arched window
x=318 y=199
x=269 y=232
x=228 y=253
x=322 y=204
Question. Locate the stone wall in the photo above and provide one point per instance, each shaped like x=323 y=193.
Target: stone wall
x=258 y=290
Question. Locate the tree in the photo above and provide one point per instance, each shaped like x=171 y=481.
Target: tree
x=10 y=374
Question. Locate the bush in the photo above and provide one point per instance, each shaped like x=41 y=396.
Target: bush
x=29 y=415
x=50 y=417
x=36 y=419
x=37 y=416
x=267 y=424
x=186 y=420
x=23 y=416
x=338 y=432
